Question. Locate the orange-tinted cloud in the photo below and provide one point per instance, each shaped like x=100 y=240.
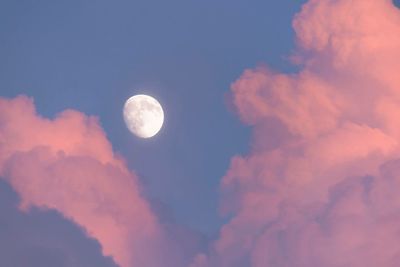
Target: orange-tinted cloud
x=326 y=193
x=67 y=164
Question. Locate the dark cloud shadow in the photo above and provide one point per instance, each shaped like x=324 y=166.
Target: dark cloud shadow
x=43 y=238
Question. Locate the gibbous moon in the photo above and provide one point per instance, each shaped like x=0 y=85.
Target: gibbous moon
x=143 y=115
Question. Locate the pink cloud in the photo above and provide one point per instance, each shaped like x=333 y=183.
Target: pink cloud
x=326 y=194
x=67 y=164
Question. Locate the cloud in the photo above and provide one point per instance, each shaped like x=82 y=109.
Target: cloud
x=43 y=238
x=67 y=164
x=325 y=193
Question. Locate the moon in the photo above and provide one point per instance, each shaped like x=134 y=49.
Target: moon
x=143 y=115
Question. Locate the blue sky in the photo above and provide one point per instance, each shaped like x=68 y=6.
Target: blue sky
x=324 y=164
x=92 y=55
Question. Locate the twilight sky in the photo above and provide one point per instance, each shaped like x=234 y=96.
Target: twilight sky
x=280 y=147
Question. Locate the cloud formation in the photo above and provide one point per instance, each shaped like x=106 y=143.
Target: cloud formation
x=43 y=238
x=67 y=164
x=325 y=192
x=319 y=187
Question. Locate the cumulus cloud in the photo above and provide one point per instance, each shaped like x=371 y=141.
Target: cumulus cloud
x=67 y=164
x=43 y=238
x=326 y=193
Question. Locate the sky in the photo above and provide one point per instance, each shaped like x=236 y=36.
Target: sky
x=279 y=147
